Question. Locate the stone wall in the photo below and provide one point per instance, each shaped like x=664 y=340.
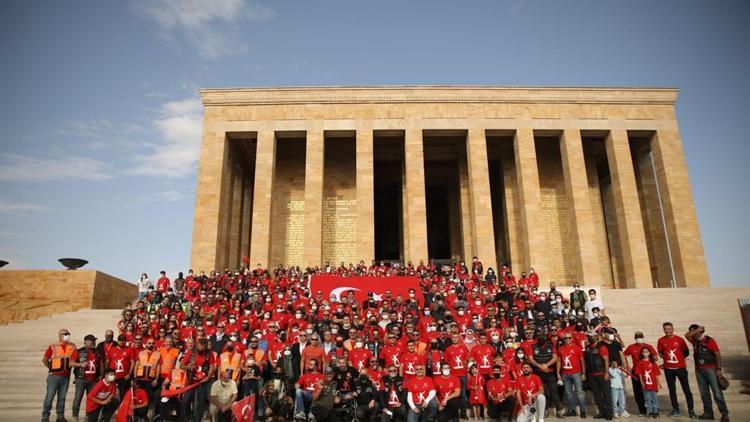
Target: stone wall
x=31 y=294
x=339 y=228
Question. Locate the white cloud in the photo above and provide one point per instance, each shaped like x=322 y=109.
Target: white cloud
x=21 y=168
x=176 y=154
x=7 y=206
x=209 y=26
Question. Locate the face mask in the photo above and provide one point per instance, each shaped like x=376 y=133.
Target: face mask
x=495 y=338
x=209 y=323
x=576 y=288
x=446 y=372
x=232 y=320
x=611 y=336
x=460 y=312
x=309 y=331
x=298 y=316
x=520 y=355
x=508 y=344
x=334 y=330
x=358 y=344
x=427 y=312
x=233 y=338
x=110 y=377
x=513 y=334
x=478 y=302
x=287 y=352
x=639 y=340
x=66 y=337
x=251 y=362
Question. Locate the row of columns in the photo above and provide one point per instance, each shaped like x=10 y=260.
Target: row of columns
x=479 y=235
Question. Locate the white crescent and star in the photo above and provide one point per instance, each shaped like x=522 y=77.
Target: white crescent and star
x=339 y=290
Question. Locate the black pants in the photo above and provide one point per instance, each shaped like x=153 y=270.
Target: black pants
x=682 y=375
x=450 y=413
x=123 y=386
x=399 y=414
x=105 y=412
x=198 y=398
x=495 y=410
x=638 y=396
x=602 y=394
x=549 y=381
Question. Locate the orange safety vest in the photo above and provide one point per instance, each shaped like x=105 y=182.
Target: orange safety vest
x=146 y=365
x=232 y=365
x=61 y=354
x=168 y=360
x=259 y=355
x=179 y=379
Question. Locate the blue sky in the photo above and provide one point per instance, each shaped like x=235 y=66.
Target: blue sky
x=101 y=121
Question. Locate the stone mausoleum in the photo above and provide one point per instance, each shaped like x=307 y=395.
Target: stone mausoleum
x=583 y=184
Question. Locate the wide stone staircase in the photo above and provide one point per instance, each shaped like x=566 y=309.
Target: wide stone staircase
x=716 y=309
x=22 y=374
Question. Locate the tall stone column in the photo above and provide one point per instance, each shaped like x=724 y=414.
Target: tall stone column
x=467 y=234
x=628 y=210
x=265 y=162
x=579 y=199
x=314 y=164
x=415 y=201
x=529 y=200
x=235 y=227
x=211 y=201
x=512 y=215
x=365 y=195
x=482 y=225
x=679 y=210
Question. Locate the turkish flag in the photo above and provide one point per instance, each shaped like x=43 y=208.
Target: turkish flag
x=244 y=409
x=338 y=285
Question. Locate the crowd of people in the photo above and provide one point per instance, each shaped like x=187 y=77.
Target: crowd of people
x=472 y=344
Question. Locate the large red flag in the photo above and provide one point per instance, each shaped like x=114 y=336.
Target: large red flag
x=244 y=409
x=338 y=285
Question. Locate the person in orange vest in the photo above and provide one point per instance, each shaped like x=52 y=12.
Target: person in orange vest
x=58 y=359
x=147 y=370
x=176 y=380
x=230 y=360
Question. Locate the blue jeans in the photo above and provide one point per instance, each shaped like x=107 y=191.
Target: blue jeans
x=707 y=383
x=618 y=400
x=56 y=385
x=82 y=387
x=464 y=396
x=301 y=396
x=652 y=402
x=573 y=390
x=427 y=412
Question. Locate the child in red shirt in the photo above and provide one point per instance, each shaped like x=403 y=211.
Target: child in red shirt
x=648 y=372
x=475 y=385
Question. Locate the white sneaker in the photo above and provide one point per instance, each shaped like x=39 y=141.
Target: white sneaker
x=300 y=416
x=616 y=416
x=625 y=414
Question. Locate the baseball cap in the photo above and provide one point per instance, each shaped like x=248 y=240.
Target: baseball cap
x=89 y=337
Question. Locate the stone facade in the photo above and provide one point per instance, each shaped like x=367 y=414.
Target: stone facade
x=584 y=184
x=30 y=294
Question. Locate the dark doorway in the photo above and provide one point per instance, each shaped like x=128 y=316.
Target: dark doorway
x=388 y=186
x=438 y=228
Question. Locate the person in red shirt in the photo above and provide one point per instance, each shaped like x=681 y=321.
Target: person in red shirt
x=597 y=367
x=140 y=402
x=87 y=376
x=475 y=388
x=632 y=355
x=456 y=355
x=305 y=387
x=162 y=285
x=421 y=397
x=483 y=355
x=59 y=358
x=101 y=399
x=410 y=360
x=571 y=368
x=530 y=394
x=120 y=360
x=648 y=372
x=359 y=356
x=448 y=389
x=391 y=352
x=200 y=364
x=500 y=392
x=707 y=370
x=673 y=350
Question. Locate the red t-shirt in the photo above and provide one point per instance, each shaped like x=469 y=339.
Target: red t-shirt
x=496 y=387
x=634 y=351
x=391 y=355
x=91 y=370
x=419 y=388
x=120 y=359
x=483 y=356
x=359 y=358
x=672 y=350
x=101 y=391
x=162 y=285
x=649 y=373
x=309 y=380
x=456 y=355
x=570 y=359
x=711 y=345
x=64 y=364
x=410 y=361
x=200 y=360
x=444 y=386
x=528 y=386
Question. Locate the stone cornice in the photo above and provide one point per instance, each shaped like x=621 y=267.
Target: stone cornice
x=436 y=94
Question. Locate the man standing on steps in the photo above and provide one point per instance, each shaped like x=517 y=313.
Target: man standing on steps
x=59 y=358
x=87 y=376
x=673 y=350
x=707 y=370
